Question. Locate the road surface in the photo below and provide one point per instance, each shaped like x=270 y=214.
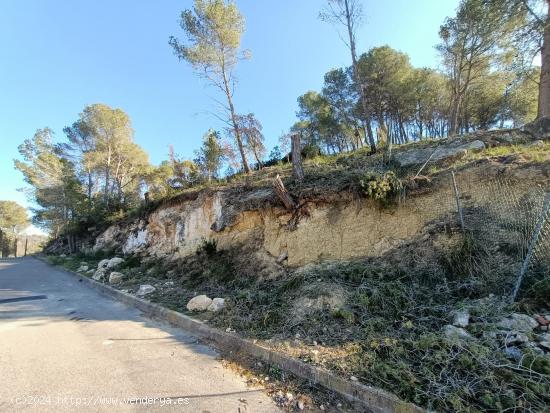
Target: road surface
x=66 y=348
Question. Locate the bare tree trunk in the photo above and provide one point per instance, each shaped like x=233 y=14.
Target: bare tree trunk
x=236 y=129
x=107 y=177
x=26 y=245
x=297 y=168
x=356 y=75
x=544 y=85
x=15 y=247
x=283 y=194
x=455 y=109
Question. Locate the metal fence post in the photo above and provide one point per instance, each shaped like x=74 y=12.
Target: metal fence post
x=458 y=205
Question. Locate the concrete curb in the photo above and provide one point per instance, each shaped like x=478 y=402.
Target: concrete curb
x=372 y=399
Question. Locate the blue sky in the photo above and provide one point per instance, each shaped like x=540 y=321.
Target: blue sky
x=58 y=56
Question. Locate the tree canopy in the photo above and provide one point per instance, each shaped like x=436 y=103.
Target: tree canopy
x=214 y=29
x=13 y=216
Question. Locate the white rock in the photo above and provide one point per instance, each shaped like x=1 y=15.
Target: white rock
x=99 y=274
x=90 y=271
x=62 y=255
x=518 y=322
x=449 y=149
x=135 y=241
x=103 y=263
x=461 y=318
x=545 y=345
x=82 y=268
x=114 y=262
x=455 y=332
x=199 y=303
x=115 y=277
x=217 y=304
x=145 y=289
x=515 y=337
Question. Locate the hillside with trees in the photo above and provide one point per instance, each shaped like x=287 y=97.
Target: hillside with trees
x=488 y=81
x=398 y=235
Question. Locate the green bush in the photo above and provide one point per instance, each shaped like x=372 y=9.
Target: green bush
x=208 y=247
x=381 y=187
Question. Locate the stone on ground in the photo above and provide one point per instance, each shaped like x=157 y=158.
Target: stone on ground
x=461 y=318
x=114 y=262
x=199 y=303
x=453 y=332
x=217 y=304
x=518 y=322
x=99 y=274
x=145 y=289
x=115 y=277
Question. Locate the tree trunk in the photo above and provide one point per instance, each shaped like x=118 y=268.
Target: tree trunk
x=236 y=130
x=90 y=187
x=26 y=246
x=369 y=135
x=544 y=85
x=356 y=76
x=297 y=169
x=107 y=177
x=282 y=193
x=453 y=125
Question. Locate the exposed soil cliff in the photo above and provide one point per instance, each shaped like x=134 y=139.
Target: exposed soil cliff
x=332 y=225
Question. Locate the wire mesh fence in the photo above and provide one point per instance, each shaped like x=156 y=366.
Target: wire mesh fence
x=506 y=211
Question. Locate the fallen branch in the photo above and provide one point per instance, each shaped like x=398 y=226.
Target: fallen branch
x=283 y=194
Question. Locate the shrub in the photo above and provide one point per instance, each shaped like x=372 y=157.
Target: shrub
x=208 y=247
x=381 y=187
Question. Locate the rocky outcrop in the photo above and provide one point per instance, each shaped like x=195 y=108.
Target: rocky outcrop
x=450 y=151
x=337 y=226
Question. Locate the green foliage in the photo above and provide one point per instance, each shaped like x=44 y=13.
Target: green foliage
x=210 y=156
x=97 y=174
x=252 y=136
x=381 y=187
x=55 y=187
x=208 y=247
x=214 y=29
x=12 y=216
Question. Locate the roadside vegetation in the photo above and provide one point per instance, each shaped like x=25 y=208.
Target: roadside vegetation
x=384 y=320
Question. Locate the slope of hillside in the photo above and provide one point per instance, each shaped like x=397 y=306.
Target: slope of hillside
x=373 y=275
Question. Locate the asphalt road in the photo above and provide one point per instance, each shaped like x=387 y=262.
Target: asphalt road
x=66 y=348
